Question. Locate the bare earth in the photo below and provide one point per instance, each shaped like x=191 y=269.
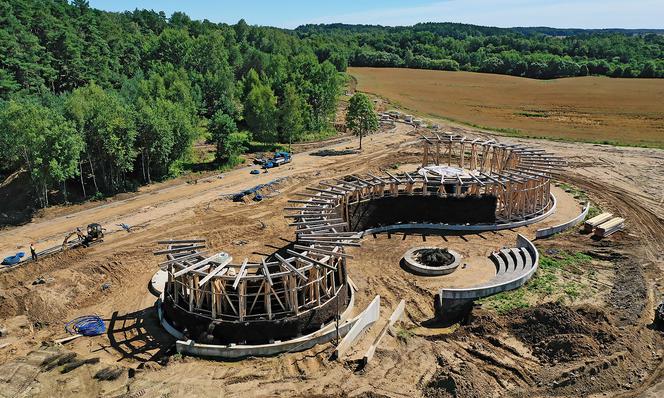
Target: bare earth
x=615 y=350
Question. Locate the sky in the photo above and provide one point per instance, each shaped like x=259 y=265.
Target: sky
x=502 y=13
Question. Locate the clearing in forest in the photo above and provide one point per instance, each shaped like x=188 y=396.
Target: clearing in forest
x=590 y=109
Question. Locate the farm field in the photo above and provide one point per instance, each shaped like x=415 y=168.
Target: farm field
x=589 y=109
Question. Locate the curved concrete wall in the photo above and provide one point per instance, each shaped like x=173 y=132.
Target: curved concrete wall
x=469 y=228
x=484 y=291
x=232 y=351
x=546 y=232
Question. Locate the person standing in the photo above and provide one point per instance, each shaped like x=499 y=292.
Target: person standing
x=33 y=252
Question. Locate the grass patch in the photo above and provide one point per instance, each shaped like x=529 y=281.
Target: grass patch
x=593 y=211
x=531 y=114
x=255 y=146
x=578 y=194
x=317 y=136
x=403 y=334
x=548 y=283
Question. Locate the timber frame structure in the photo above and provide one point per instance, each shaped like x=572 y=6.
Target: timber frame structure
x=311 y=273
x=517 y=175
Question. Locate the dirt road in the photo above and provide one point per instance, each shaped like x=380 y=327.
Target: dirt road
x=152 y=209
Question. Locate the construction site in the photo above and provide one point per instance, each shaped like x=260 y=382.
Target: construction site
x=438 y=261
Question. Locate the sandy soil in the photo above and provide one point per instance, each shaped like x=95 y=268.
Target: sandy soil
x=604 y=345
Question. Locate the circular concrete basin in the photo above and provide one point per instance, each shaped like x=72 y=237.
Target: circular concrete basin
x=412 y=261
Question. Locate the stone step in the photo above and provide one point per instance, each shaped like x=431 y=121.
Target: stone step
x=501 y=267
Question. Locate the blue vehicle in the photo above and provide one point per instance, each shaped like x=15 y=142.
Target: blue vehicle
x=277 y=160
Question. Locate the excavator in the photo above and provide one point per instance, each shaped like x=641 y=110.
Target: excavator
x=95 y=233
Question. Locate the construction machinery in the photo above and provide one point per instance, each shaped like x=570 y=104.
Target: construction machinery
x=94 y=234
x=279 y=158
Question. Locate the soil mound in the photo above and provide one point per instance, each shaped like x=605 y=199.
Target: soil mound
x=559 y=333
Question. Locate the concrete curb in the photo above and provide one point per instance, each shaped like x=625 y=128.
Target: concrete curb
x=484 y=291
x=232 y=351
x=421 y=269
x=546 y=232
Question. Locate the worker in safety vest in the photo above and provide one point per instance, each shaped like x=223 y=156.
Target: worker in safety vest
x=33 y=252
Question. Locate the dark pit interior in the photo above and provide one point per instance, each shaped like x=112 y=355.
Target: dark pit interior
x=380 y=212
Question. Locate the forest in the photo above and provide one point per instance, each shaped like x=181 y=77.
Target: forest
x=102 y=102
x=93 y=103
x=542 y=53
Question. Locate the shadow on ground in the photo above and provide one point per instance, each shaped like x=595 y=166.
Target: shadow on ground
x=139 y=336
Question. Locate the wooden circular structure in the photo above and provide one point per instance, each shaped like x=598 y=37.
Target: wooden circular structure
x=304 y=286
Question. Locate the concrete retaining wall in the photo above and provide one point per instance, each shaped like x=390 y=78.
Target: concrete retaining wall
x=457 y=227
x=366 y=319
x=546 y=232
x=231 y=351
x=484 y=291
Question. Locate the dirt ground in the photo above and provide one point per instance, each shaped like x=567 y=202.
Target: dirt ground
x=590 y=109
x=602 y=346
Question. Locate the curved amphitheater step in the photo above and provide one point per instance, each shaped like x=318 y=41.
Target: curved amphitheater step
x=510 y=264
x=514 y=267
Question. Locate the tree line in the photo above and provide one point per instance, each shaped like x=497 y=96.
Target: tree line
x=542 y=53
x=107 y=100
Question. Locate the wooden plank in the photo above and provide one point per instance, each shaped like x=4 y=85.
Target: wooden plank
x=66 y=339
x=306 y=208
x=240 y=274
x=290 y=267
x=322 y=251
x=169 y=242
x=315 y=201
x=609 y=227
x=321 y=227
x=330 y=243
x=188 y=256
x=349 y=235
x=266 y=272
x=314 y=222
x=597 y=220
x=320 y=236
x=316 y=215
x=181 y=249
x=215 y=271
x=311 y=260
x=217 y=257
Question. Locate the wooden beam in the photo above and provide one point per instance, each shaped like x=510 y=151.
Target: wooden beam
x=330 y=243
x=315 y=249
x=240 y=274
x=169 y=242
x=188 y=256
x=290 y=267
x=181 y=249
x=215 y=271
x=266 y=272
x=311 y=260
x=314 y=222
x=192 y=267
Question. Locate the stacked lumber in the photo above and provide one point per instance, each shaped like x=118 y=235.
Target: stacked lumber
x=592 y=223
x=609 y=227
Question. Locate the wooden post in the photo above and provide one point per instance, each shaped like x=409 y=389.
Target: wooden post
x=191 y=293
x=267 y=299
x=242 y=300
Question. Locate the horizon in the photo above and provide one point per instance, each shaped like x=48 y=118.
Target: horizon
x=559 y=14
